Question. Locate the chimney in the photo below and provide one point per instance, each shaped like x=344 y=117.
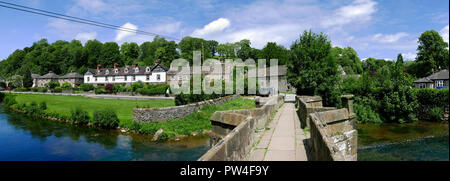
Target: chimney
x=98 y=67
x=134 y=64
x=156 y=62
x=115 y=65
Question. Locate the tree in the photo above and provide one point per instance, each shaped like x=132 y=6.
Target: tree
x=129 y=53
x=348 y=59
x=274 y=51
x=190 y=44
x=110 y=54
x=226 y=50
x=432 y=52
x=92 y=51
x=27 y=80
x=313 y=69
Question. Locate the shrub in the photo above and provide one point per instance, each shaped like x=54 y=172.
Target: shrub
x=77 y=92
x=436 y=113
x=116 y=88
x=43 y=106
x=100 y=90
x=9 y=100
x=2 y=85
x=35 y=89
x=109 y=88
x=57 y=90
x=79 y=116
x=2 y=95
x=52 y=84
x=66 y=86
x=105 y=118
x=153 y=90
x=86 y=87
x=21 y=90
x=42 y=89
x=135 y=86
x=33 y=109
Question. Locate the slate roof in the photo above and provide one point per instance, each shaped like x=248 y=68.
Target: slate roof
x=122 y=72
x=441 y=75
x=49 y=75
x=72 y=75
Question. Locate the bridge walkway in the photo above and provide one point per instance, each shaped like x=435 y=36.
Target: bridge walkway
x=282 y=139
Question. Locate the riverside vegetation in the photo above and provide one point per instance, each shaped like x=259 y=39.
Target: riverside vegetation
x=111 y=113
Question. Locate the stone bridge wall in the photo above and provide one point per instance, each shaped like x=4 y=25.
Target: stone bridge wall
x=233 y=131
x=175 y=112
x=307 y=105
x=333 y=133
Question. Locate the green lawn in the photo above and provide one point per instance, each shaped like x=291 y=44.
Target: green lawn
x=64 y=104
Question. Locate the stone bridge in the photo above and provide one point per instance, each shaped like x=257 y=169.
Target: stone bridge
x=285 y=128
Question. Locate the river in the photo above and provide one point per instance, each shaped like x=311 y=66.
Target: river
x=418 y=141
x=25 y=139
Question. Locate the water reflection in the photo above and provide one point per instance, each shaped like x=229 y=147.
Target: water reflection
x=24 y=138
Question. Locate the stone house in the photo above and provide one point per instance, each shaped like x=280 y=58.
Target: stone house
x=126 y=75
x=73 y=78
x=437 y=80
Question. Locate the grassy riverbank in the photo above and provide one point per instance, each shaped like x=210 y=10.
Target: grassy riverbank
x=62 y=105
x=196 y=122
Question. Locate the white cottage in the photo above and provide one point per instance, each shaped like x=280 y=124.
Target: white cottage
x=126 y=75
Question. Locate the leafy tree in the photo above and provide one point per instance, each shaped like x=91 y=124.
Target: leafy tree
x=348 y=59
x=92 y=51
x=226 y=50
x=27 y=80
x=432 y=52
x=190 y=44
x=129 y=53
x=274 y=51
x=313 y=69
x=110 y=54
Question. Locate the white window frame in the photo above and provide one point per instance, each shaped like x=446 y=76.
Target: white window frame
x=439 y=83
x=422 y=85
x=107 y=72
x=136 y=69
x=126 y=70
x=158 y=77
x=147 y=77
x=147 y=69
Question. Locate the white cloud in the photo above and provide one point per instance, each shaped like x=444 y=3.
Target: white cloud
x=389 y=38
x=92 y=5
x=444 y=33
x=357 y=12
x=215 y=26
x=409 y=56
x=86 y=36
x=120 y=35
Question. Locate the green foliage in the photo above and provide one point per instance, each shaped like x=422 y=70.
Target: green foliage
x=9 y=100
x=437 y=113
x=86 y=87
x=313 y=70
x=137 y=85
x=431 y=103
x=52 y=85
x=79 y=116
x=105 y=118
x=2 y=96
x=33 y=109
x=66 y=86
x=100 y=90
x=348 y=59
x=43 y=105
x=274 y=51
x=21 y=90
x=432 y=52
x=57 y=90
x=150 y=90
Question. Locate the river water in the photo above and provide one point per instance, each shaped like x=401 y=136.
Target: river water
x=26 y=139
x=419 y=141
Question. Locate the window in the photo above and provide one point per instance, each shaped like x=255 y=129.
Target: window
x=148 y=77
x=106 y=78
x=116 y=71
x=439 y=83
x=136 y=69
x=180 y=77
x=422 y=85
x=147 y=69
x=95 y=79
x=114 y=78
x=107 y=72
x=126 y=70
x=88 y=79
x=134 y=78
x=126 y=77
x=158 y=77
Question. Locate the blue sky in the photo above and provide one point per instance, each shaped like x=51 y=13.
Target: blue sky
x=374 y=28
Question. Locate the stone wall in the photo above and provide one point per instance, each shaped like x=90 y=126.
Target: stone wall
x=176 y=112
x=233 y=131
x=307 y=105
x=333 y=133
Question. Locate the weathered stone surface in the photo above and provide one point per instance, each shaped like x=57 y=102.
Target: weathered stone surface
x=239 y=127
x=176 y=112
x=157 y=134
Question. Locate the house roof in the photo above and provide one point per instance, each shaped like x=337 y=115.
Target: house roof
x=441 y=75
x=121 y=71
x=49 y=75
x=72 y=75
x=35 y=76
